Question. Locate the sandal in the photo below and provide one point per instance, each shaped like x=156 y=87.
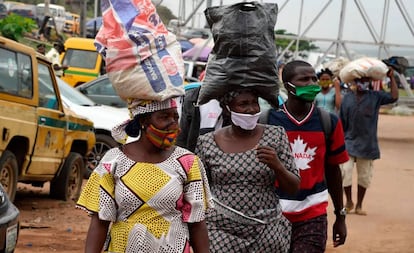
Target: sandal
x=359 y=211
x=349 y=207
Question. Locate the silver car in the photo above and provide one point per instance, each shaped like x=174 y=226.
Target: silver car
x=9 y=223
x=101 y=91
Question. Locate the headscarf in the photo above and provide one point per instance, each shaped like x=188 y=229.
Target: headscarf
x=229 y=96
x=139 y=107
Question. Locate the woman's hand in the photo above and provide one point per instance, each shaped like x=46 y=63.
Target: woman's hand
x=267 y=155
x=288 y=181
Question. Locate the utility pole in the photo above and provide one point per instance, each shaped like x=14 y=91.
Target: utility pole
x=95 y=8
x=84 y=10
x=47 y=12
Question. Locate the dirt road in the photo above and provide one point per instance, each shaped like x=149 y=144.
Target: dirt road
x=55 y=226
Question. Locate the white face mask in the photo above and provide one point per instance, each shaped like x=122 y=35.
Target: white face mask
x=243 y=120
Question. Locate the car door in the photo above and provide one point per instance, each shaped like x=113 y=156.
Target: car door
x=50 y=140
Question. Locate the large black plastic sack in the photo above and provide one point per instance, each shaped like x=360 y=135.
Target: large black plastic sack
x=398 y=63
x=244 y=52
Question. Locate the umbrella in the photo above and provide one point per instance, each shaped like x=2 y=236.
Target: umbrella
x=185 y=45
x=197 y=53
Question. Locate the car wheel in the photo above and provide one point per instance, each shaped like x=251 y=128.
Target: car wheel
x=67 y=185
x=102 y=145
x=8 y=173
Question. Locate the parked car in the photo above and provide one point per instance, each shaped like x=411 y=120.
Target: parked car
x=40 y=142
x=92 y=27
x=25 y=10
x=57 y=12
x=103 y=117
x=10 y=4
x=3 y=11
x=83 y=61
x=9 y=223
x=72 y=24
x=102 y=92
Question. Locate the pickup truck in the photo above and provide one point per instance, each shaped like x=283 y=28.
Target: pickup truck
x=39 y=141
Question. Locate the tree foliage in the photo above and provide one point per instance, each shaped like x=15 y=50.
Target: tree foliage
x=15 y=26
x=282 y=43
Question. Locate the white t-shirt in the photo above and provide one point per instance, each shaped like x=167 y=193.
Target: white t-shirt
x=210 y=114
x=53 y=56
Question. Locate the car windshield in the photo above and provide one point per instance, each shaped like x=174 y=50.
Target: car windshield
x=74 y=96
x=84 y=59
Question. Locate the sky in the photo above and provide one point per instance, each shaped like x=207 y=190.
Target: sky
x=327 y=25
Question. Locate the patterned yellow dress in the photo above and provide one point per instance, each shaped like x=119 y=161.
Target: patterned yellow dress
x=149 y=205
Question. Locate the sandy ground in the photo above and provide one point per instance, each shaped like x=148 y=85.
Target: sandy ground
x=55 y=226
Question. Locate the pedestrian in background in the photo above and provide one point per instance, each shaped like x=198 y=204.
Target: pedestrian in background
x=54 y=56
x=329 y=98
x=359 y=115
x=41 y=48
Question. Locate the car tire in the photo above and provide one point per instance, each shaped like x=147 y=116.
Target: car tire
x=8 y=173
x=67 y=185
x=102 y=145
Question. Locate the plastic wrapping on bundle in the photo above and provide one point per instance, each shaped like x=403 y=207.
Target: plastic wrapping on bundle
x=363 y=67
x=143 y=59
x=244 y=52
x=336 y=65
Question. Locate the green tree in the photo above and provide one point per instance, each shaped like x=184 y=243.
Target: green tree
x=15 y=26
x=282 y=43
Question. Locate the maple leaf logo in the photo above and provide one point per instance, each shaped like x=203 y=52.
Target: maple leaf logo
x=303 y=155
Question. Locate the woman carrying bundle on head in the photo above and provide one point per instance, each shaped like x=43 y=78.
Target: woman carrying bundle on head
x=243 y=162
x=147 y=195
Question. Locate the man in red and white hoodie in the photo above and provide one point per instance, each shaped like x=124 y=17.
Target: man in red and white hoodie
x=317 y=159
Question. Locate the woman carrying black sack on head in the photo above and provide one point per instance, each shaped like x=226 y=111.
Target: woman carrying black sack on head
x=243 y=162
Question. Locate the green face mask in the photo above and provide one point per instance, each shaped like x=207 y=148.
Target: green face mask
x=306 y=93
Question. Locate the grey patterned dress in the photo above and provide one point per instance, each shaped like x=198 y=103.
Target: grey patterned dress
x=247 y=215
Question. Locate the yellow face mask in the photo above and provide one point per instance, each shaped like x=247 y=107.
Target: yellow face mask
x=325 y=83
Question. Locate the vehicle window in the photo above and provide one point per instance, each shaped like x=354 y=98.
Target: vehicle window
x=47 y=93
x=69 y=17
x=16 y=74
x=76 y=97
x=102 y=88
x=80 y=58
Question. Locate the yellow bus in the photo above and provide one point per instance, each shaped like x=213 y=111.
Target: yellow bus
x=83 y=61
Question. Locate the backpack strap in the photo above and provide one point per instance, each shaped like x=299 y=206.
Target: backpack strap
x=326 y=123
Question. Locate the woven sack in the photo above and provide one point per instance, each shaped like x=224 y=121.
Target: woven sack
x=143 y=59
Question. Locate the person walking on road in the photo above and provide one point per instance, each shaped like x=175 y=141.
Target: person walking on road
x=148 y=195
x=359 y=115
x=247 y=215
x=329 y=98
x=317 y=159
